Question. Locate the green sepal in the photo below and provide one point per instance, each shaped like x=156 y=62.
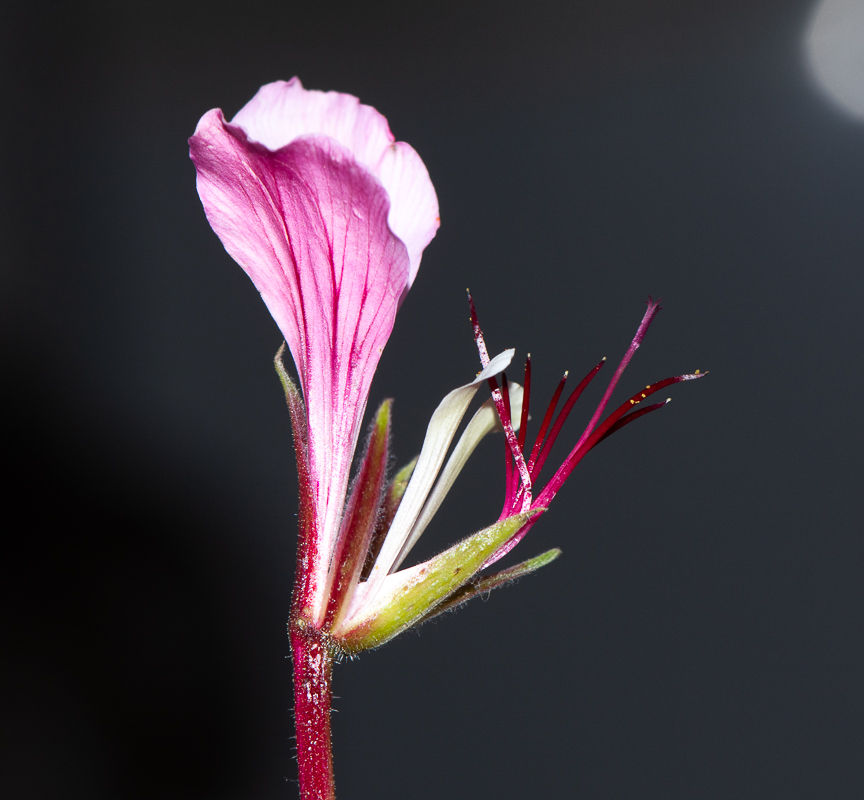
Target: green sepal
x=397 y=488
x=483 y=585
x=427 y=585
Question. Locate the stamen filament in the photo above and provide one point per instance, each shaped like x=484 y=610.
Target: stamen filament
x=545 y=426
x=580 y=450
x=653 y=308
x=504 y=413
x=518 y=496
x=631 y=417
x=508 y=464
x=478 y=334
x=562 y=418
x=513 y=444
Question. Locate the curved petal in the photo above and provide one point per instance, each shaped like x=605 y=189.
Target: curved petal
x=413 y=203
x=283 y=111
x=439 y=433
x=309 y=226
x=484 y=421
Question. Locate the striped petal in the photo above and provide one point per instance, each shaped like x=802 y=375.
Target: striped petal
x=328 y=216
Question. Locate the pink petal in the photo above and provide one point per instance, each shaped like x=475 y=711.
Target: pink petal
x=283 y=111
x=309 y=226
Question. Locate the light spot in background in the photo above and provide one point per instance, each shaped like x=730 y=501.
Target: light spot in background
x=834 y=43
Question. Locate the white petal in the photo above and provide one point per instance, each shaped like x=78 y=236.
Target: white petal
x=442 y=427
x=484 y=421
x=282 y=111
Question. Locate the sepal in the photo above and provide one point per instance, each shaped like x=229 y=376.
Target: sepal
x=409 y=595
x=307 y=547
x=484 y=585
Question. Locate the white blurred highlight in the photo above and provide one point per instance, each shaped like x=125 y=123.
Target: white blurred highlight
x=834 y=44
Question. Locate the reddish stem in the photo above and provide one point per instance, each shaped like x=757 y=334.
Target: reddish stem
x=313 y=673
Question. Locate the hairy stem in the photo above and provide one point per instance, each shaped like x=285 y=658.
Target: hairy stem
x=313 y=672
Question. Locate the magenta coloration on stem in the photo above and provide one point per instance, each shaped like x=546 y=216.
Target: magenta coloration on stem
x=313 y=694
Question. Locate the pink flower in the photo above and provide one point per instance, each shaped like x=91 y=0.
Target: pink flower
x=328 y=216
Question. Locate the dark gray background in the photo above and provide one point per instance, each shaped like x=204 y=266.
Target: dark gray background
x=701 y=637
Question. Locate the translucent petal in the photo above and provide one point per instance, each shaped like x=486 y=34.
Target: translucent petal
x=442 y=427
x=484 y=421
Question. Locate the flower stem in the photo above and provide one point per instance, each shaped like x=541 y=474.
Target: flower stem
x=313 y=672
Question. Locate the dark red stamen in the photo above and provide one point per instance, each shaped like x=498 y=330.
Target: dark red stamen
x=519 y=495
x=631 y=417
x=562 y=418
x=647 y=319
x=503 y=412
x=582 y=447
x=511 y=542
x=513 y=448
x=547 y=418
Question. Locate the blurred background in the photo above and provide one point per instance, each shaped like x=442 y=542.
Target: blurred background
x=701 y=637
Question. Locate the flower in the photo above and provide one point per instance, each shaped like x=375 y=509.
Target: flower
x=329 y=217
